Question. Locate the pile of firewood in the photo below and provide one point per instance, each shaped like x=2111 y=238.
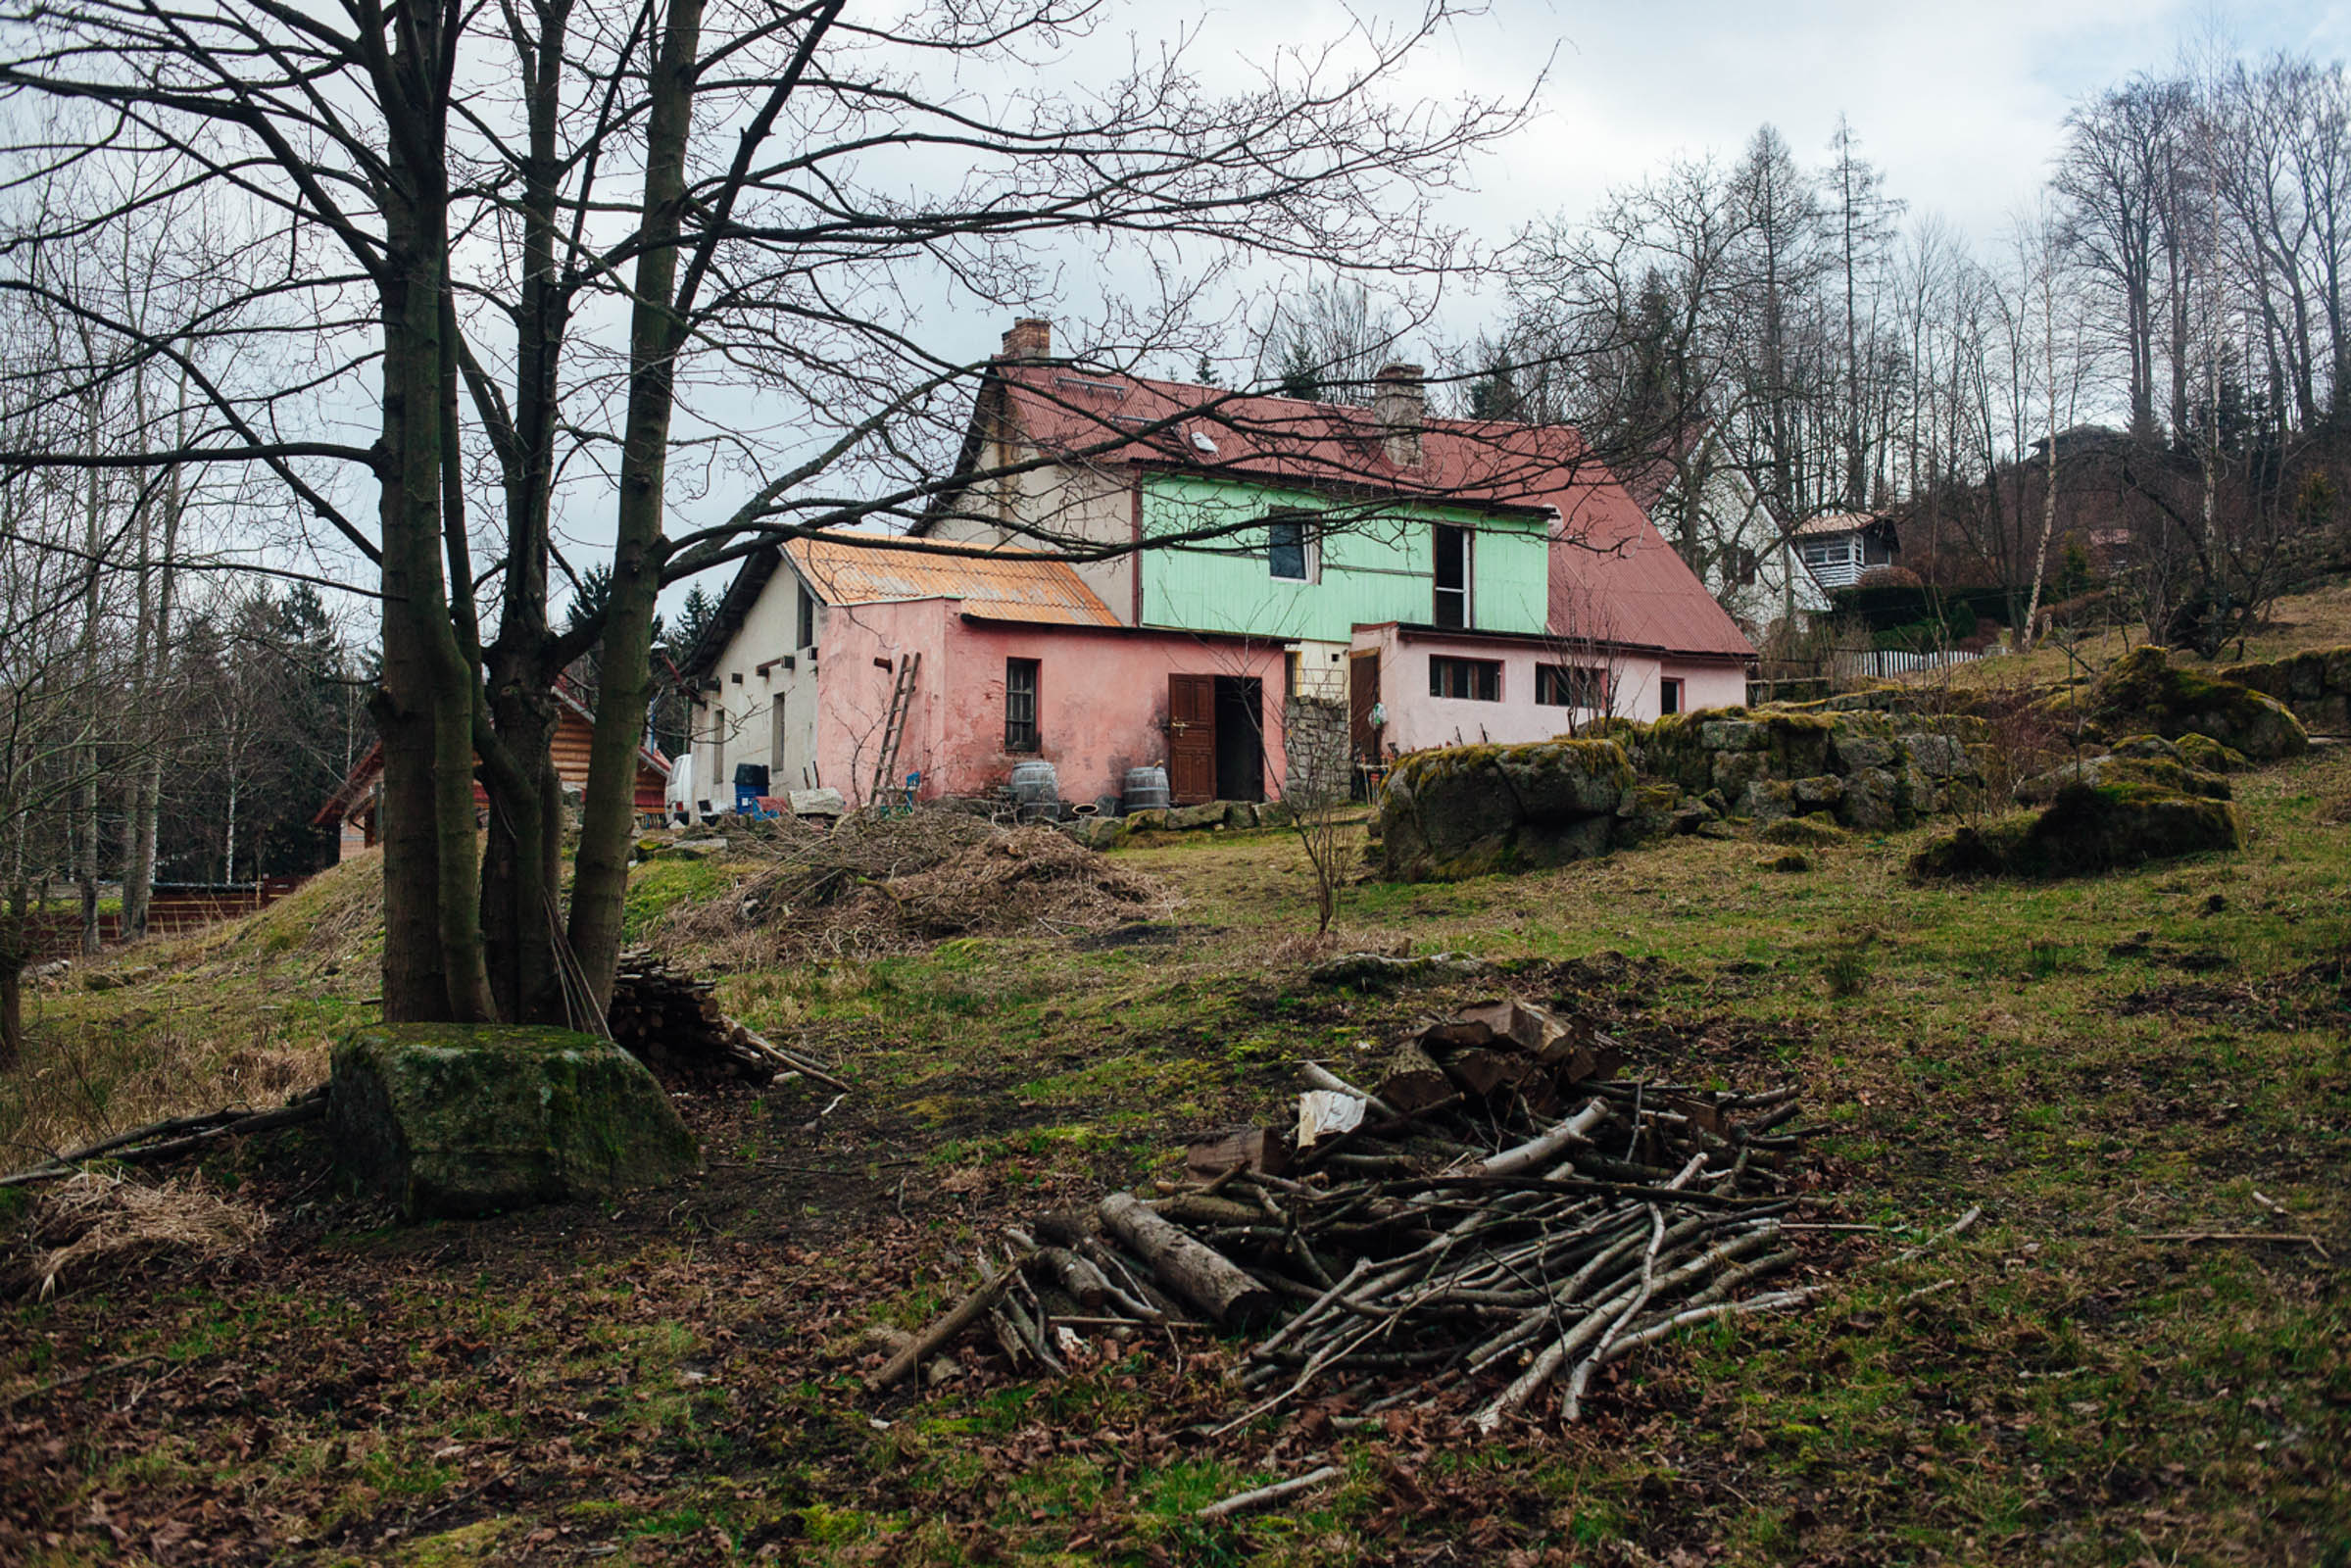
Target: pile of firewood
x=1498 y=1215
x=672 y=1023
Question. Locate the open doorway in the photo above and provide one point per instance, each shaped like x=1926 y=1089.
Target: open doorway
x=1239 y=738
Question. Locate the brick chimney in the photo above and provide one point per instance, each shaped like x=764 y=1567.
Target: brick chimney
x=1031 y=339
x=1399 y=400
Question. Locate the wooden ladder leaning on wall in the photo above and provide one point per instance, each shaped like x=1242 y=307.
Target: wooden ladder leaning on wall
x=894 y=727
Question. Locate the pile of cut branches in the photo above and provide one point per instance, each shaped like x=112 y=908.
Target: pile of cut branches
x=1496 y=1217
x=878 y=885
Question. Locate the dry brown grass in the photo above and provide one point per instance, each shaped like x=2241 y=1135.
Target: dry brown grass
x=2318 y=619
x=240 y=1013
x=95 y=1223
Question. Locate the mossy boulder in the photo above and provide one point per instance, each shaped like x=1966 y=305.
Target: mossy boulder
x=2203 y=753
x=1467 y=811
x=2086 y=829
x=1877 y=799
x=463 y=1119
x=2144 y=692
x=1649 y=810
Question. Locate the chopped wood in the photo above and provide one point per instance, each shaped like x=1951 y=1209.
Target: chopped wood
x=1249 y=1147
x=1480 y=1247
x=1410 y=1079
x=1191 y=1268
x=672 y=1023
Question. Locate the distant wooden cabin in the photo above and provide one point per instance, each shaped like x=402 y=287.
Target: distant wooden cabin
x=358 y=801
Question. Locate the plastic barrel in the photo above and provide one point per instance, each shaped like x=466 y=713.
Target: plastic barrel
x=1147 y=788
x=1035 y=784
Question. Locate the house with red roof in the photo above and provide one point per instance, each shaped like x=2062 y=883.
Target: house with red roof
x=1265 y=581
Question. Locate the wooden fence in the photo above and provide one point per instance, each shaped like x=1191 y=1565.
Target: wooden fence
x=172 y=911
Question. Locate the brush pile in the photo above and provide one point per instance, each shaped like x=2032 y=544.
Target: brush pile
x=95 y=1222
x=878 y=885
x=1497 y=1216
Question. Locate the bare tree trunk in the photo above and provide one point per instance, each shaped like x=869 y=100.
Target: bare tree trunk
x=2048 y=501
x=85 y=813
x=522 y=862
x=433 y=961
x=600 y=873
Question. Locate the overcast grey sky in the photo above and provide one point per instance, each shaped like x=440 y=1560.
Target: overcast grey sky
x=1961 y=105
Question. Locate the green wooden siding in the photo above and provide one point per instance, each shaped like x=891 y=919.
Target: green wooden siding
x=1371 y=571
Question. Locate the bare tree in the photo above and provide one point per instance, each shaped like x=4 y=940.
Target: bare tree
x=756 y=193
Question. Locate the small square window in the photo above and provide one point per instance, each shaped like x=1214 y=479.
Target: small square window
x=1571 y=686
x=1477 y=680
x=1668 y=697
x=1020 y=705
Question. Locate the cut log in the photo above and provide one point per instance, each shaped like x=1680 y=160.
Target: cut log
x=1531 y=1029
x=1249 y=1147
x=1481 y=1072
x=1196 y=1272
x=1410 y=1079
x=1081 y=1279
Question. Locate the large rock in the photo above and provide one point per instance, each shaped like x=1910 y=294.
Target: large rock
x=2144 y=692
x=2088 y=828
x=1467 y=811
x=2315 y=685
x=460 y=1119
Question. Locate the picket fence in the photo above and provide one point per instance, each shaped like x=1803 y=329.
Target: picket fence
x=1883 y=663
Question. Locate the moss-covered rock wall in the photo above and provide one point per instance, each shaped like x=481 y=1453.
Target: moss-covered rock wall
x=2315 y=685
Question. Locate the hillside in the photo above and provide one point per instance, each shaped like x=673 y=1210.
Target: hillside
x=2141 y=1078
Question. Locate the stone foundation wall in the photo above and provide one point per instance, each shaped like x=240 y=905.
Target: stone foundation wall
x=1314 y=744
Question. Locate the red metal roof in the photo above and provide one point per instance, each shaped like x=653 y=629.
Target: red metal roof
x=1001 y=585
x=1613 y=576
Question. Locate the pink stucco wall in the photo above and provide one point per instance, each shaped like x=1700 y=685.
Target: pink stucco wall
x=1417 y=720
x=1102 y=698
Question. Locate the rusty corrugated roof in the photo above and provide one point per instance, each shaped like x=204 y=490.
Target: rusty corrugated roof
x=1003 y=584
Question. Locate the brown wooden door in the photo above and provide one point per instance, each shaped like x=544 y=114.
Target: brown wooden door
x=1362 y=694
x=1192 y=738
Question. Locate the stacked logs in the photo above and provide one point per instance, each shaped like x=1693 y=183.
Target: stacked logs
x=1496 y=1217
x=672 y=1023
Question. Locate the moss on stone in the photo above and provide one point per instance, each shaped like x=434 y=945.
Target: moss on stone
x=2086 y=829
x=1811 y=832
x=459 y=1119
x=2144 y=691
x=1468 y=811
x=2210 y=755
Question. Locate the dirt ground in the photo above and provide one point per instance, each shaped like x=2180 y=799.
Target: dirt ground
x=2137 y=1356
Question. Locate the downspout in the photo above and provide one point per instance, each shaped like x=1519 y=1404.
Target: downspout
x=1135 y=559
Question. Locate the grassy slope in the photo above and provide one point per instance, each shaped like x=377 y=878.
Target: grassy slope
x=239 y=1013
x=2318 y=619
x=2091 y=1062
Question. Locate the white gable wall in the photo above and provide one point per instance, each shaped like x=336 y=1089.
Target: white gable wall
x=759 y=711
